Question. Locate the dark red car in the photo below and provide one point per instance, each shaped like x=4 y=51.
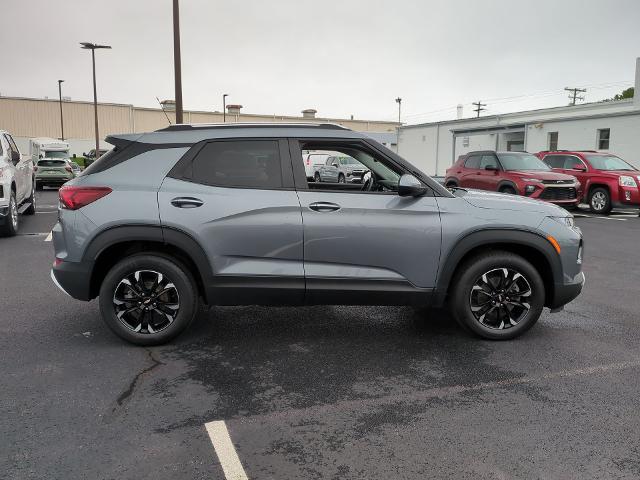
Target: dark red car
x=608 y=181
x=516 y=173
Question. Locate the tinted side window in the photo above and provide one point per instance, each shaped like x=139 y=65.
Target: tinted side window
x=473 y=162
x=554 y=161
x=488 y=160
x=572 y=162
x=249 y=163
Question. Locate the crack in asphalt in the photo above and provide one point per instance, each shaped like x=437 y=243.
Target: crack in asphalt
x=129 y=391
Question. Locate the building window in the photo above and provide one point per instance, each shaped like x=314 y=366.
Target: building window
x=465 y=141
x=604 y=134
x=553 y=141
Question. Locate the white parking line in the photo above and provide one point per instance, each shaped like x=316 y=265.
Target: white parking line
x=225 y=450
x=49 y=237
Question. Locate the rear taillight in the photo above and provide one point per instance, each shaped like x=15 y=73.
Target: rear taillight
x=73 y=198
x=308 y=162
x=68 y=169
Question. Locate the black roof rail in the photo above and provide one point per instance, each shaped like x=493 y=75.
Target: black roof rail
x=205 y=126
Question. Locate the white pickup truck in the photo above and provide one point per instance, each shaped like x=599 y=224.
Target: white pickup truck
x=17 y=185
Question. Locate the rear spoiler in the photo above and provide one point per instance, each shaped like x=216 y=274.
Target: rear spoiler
x=123 y=140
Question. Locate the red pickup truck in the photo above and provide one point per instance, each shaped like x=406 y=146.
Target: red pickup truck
x=607 y=180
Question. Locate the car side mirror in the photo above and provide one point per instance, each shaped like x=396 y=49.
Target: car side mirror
x=15 y=157
x=334 y=165
x=491 y=168
x=579 y=168
x=410 y=186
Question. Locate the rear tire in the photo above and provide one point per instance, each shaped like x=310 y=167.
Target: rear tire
x=317 y=178
x=508 y=190
x=600 y=201
x=10 y=227
x=39 y=186
x=495 y=305
x=142 y=314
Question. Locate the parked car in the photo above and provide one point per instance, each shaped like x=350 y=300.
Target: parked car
x=90 y=157
x=608 y=181
x=75 y=168
x=517 y=173
x=224 y=214
x=340 y=169
x=52 y=172
x=16 y=185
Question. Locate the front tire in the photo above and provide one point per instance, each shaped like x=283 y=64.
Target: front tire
x=341 y=178
x=498 y=296
x=148 y=299
x=10 y=227
x=508 y=190
x=600 y=201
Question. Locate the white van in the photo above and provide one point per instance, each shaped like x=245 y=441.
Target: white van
x=48 y=148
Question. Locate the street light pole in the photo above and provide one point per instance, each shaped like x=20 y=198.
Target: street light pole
x=176 y=60
x=93 y=47
x=61 y=118
x=399 y=102
x=224 y=107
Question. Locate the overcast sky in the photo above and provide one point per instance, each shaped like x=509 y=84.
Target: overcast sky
x=342 y=57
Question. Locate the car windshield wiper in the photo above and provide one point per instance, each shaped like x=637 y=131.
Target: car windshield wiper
x=457 y=188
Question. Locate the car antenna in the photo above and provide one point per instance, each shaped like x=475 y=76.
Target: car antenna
x=165 y=113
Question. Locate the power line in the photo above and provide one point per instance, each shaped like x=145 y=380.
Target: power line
x=574 y=95
x=479 y=106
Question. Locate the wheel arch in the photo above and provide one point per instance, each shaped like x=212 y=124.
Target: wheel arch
x=508 y=183
x=533 y=247
x=110 y=246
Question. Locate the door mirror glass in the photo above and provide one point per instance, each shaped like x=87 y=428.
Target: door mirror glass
x=579 y=167
x=410 y=186
x=491 y=168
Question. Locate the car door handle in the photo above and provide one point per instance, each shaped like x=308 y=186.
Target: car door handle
x=186 y=202
x=324 y=206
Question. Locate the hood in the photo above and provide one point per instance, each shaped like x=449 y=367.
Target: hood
x=504 y=201
x=542 y=174
x=617 y=173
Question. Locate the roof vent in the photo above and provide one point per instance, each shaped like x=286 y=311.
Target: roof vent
x=309 y=113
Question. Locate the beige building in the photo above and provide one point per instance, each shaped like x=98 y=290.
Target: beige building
x=27 y=118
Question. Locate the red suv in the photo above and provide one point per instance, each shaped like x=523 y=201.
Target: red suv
x=609 y=182
x=514 y=172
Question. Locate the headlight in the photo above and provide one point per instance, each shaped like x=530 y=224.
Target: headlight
x=627 y=181
x=566 y=221
x=532 y=180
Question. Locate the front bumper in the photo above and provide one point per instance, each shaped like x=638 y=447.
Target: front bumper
x=567 y=292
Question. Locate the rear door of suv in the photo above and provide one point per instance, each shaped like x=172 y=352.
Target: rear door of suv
x=236 y=198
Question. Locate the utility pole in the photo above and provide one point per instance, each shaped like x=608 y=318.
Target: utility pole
x=177 y=69
x=573 y=96
x=399 y=102
x=61 y=119
x=479 y=108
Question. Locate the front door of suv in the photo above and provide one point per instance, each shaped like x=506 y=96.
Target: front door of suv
x=365 y=246
x=236 y=198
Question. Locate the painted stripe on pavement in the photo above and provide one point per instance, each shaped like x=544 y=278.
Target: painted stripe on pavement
x=225 y=450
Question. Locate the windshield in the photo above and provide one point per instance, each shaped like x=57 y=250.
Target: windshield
x=521 y=161
x=58 y=154
x=608 y=162
x=52 y=163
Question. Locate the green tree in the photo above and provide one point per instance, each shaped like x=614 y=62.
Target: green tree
x=628 y=93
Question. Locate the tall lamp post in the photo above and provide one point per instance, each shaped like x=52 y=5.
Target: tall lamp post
x=61 y=118
x=177 y=68
x=224 y=107
x=399 y=102
x=93 y=47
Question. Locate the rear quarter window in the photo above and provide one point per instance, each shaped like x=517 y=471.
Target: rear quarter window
x=473 y=161
x=242 y=163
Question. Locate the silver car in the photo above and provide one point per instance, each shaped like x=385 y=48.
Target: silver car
x=224 y=214
x=340 y=169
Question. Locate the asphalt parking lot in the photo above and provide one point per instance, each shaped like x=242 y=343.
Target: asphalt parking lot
x=321 y=392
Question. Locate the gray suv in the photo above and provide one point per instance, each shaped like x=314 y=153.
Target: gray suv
x=224 y=214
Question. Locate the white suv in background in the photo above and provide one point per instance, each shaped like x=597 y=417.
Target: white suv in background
x=17 y=185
